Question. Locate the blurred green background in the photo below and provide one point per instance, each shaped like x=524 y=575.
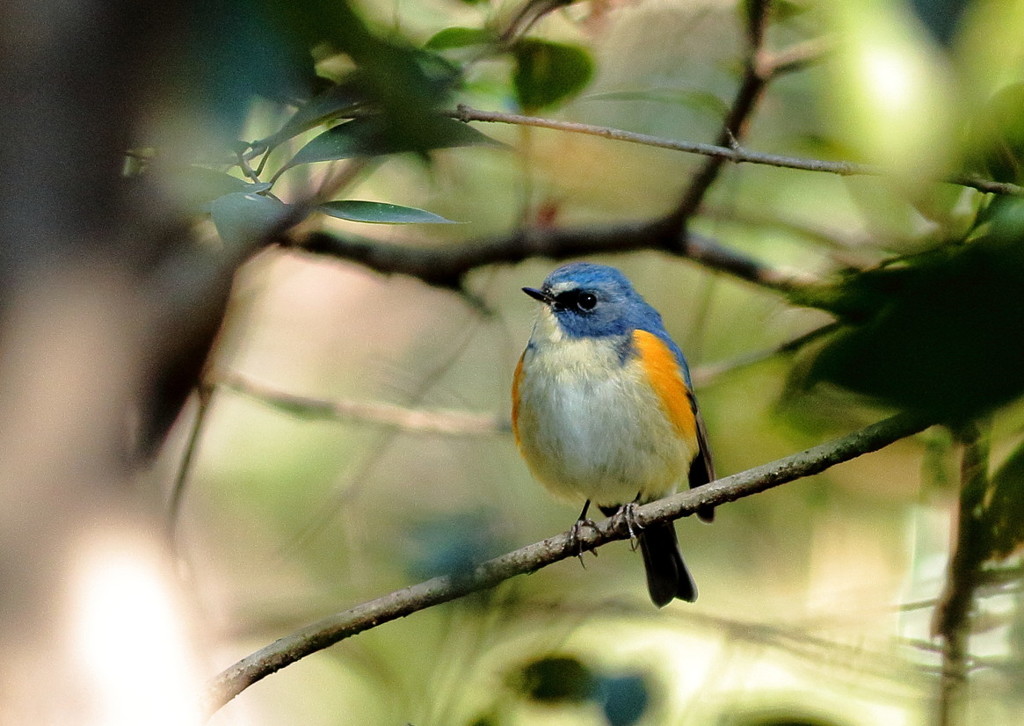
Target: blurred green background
x=816 y=597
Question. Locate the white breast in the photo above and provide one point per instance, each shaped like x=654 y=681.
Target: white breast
x=590 y=427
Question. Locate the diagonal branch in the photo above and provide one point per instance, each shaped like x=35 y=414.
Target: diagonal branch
x=337 y=627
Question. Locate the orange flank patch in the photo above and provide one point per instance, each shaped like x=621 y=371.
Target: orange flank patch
x=666 y=379
x=515 y=396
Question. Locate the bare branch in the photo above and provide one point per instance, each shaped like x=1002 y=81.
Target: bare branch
x=734 y=154
x=457 y=423
x=337 y=627
x=446 y=266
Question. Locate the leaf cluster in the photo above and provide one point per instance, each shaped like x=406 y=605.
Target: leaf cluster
x=387 y=99
x=936 y=332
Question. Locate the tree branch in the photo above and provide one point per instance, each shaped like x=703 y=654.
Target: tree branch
x=337 y=627
x=736 y=153
x=447 y=266
x=436 y=421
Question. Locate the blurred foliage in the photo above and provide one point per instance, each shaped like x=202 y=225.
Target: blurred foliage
x=339 y=115
x=453 y=544
x=624 y=698
x=1002 y=508
x=548 y=73
x=941 y=17
x=384 y=101
x=555 y=679
x=778 y=717
x=997 y=135
x=562 y=679
x=934 y=332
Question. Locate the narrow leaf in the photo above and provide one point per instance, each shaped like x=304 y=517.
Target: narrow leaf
x=372 y=136
x=380 y=213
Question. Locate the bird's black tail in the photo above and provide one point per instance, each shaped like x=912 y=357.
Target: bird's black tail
x=667 y=576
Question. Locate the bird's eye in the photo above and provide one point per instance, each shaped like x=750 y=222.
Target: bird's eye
x=586 y=301
x=575 y=300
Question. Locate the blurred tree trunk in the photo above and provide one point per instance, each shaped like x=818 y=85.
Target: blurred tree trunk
x=85 y=338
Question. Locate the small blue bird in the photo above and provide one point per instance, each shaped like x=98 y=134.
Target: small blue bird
x=603 y=410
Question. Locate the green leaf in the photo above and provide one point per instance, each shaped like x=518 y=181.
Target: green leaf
x=242 y=218
x=373 y=136
x=548 y=73
x=196 y=186
x=459 y=38
x=435 y=78
x=380 y=213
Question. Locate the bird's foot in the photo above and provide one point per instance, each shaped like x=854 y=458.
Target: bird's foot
x=627 y=515
x=574 y=536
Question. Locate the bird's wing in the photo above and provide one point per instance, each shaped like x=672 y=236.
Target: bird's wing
x=702 y=469
x=661 y=364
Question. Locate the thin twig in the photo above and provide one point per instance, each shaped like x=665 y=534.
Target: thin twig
x=204 y=394
x=456 y=423
x=526 y=17
x=337 y=627
x=343 y=494
x=736 y=154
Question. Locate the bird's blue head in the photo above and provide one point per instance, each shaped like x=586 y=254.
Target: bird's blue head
x=589 y=301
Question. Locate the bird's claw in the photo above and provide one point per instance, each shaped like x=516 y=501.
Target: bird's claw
x=574 y=536
x=627 y=515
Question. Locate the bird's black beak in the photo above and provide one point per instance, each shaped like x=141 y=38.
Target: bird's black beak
x=539 y=295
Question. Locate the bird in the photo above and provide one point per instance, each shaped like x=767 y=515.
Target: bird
x=603 y=410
